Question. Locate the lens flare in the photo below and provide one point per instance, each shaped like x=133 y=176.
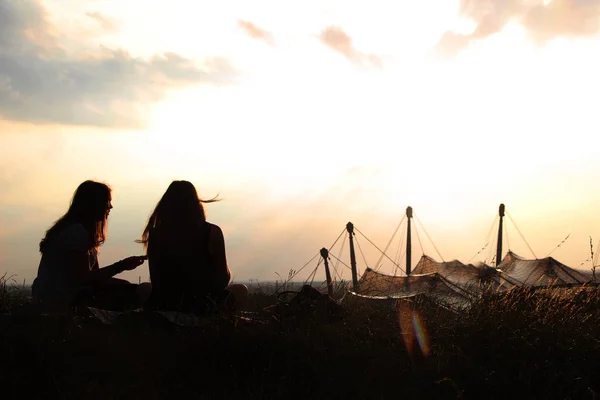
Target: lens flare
x=412 y=329
x=421 y=333
x=406 y=330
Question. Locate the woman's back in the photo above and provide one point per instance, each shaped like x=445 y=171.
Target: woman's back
x=57 y=272
x=185 y=266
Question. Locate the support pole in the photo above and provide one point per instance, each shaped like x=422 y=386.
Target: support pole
x=350 y=229
x=325 y=255
x=409 y=214
x=499 y=245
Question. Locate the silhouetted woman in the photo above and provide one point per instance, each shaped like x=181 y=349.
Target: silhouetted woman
x=69 y=272
x=186 y=255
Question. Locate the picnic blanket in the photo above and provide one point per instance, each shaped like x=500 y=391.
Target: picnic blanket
x=109 y=317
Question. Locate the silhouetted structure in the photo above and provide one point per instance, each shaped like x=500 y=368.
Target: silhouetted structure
x=350 y=229
x=453 y=283
x=499 y=245
x=409 y=215
x=325 y=255
x=542 y=272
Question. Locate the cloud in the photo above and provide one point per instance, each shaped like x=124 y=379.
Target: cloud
x=107 y=23
x=41 y=82
x=256 y=33
x=338 y=40
x=564 y=18
x=542 y=19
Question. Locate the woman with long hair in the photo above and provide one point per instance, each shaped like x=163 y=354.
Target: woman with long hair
x=69 y=272
x=186 y=255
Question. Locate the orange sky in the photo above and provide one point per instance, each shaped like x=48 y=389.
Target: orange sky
x=304 y=116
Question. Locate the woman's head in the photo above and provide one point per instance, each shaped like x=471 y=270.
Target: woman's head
x=179 y=210
x=90 y=206
x=92 y=201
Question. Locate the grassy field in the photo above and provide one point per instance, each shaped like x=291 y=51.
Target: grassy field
x=523 y=344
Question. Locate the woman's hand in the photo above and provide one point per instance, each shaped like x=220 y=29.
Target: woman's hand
x=132 y=262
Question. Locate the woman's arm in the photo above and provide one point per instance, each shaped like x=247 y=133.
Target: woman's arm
x=74 y=243
x=79 y=263
x=216 y=248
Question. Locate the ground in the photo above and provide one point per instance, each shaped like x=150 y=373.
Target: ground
x=525 y=344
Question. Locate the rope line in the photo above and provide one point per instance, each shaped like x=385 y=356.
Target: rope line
x=377 y=265
x=314 y=273
x=311 y=276
x=483 y=248
x=398 y=250
x=489 y=235
x=522 y=237
x=374 y=245
x=297 y=272
x=335 y=268
x=506 y=234
x=401 y=250
x=487 y=238
x=491 y=253
x=560 y=244
x=341 y=262
x=336 y=273
x=584 y=262
x=361 y=252
x=429 y=237
x=311 y=260
x=338 y=238
x=419 y=239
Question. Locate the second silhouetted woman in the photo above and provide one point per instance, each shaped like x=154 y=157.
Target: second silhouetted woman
x=186 y=255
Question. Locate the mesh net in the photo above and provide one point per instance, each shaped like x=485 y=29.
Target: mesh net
x=454 y=284
x=468 y=276
x=433 y=285
x=542 y=272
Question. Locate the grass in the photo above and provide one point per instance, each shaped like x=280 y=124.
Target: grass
x=12 y=295
x=526 y=344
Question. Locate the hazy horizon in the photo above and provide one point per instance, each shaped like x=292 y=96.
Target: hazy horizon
x=302 y=117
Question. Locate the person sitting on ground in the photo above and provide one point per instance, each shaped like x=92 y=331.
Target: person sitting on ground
x=69 y=273
x=186 y=256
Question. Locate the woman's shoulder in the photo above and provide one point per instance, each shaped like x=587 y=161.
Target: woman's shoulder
x=215 y=237
x=213 y=226
x=74 y=237
x=177 y=237
x=213 y=230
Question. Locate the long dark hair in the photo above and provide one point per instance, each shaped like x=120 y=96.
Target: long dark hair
x=179 y=211
x=88 y=207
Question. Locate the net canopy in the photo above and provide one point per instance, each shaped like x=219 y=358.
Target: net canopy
x=542 y=272
x=470 y=277
x=433 y=285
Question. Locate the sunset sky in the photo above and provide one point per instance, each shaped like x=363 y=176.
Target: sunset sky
x=303 y=116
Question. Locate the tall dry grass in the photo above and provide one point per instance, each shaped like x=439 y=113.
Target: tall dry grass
x=518 y=344
x=12 y=294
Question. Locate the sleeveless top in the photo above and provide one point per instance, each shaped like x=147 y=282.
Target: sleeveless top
x=182 y=271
